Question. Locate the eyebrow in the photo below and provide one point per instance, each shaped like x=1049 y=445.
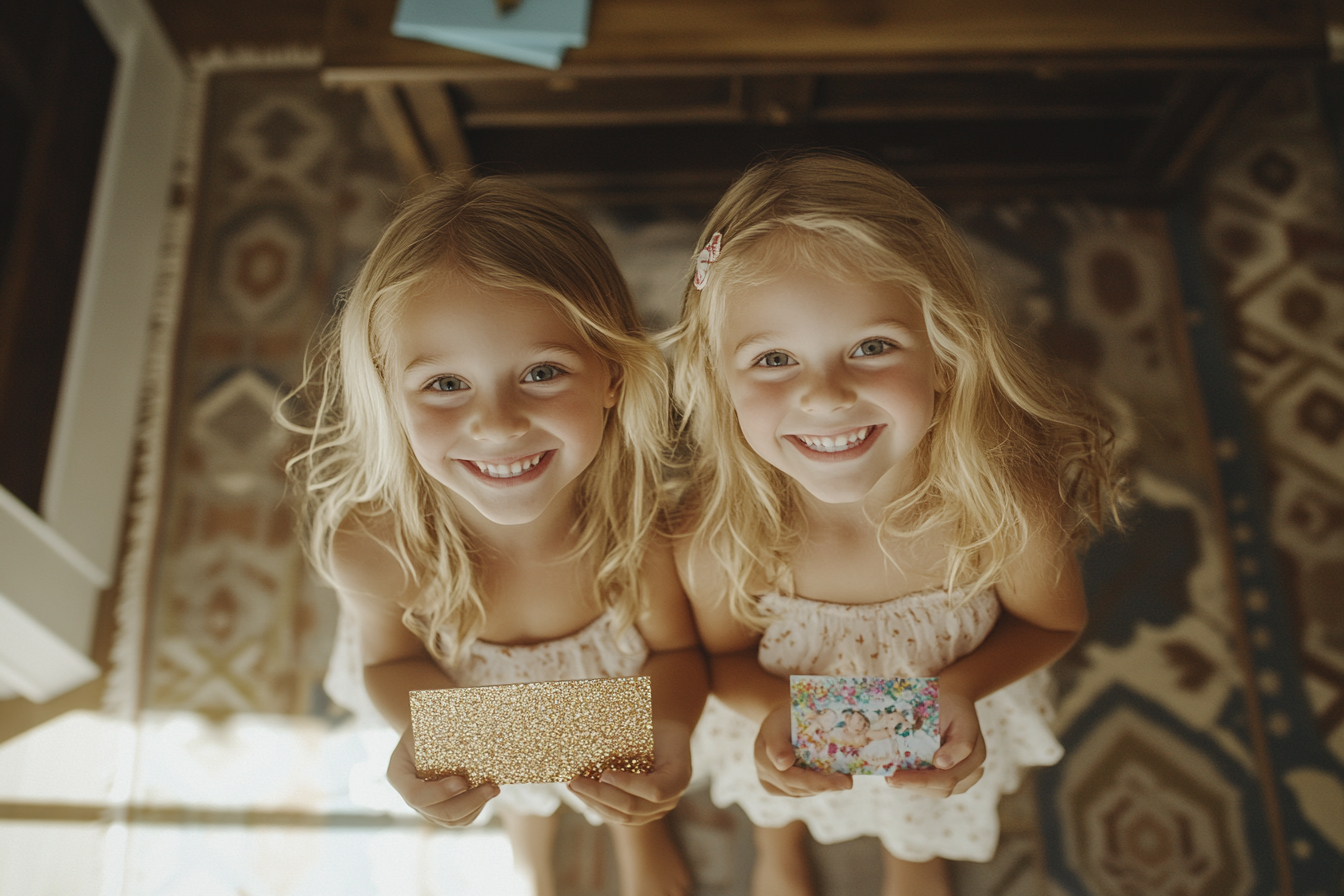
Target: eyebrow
x=771 y=335
x=541 y=348
x=758 y=337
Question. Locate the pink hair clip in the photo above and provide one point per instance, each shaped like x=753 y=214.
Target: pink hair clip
x=708 y=256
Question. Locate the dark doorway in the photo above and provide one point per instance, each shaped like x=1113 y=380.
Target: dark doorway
x=56 y=75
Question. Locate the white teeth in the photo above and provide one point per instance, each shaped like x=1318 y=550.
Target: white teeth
x=833 y=444
x=508 y=471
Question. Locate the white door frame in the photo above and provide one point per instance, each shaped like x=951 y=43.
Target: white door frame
x=53 y=565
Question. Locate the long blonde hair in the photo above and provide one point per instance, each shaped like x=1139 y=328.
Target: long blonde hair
x=1011 y=446
x=502 y=234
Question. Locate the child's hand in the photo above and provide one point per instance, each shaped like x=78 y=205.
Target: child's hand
x=626 y=798
x=447 y=801
x=959 y=762
x=775 y=758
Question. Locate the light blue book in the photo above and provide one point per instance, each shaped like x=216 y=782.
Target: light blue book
x=536 y=32
x=542 y=55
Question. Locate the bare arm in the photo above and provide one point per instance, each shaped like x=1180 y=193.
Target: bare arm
x=736 y=676
x=373 y=587
x=1044 y=611
x=389 y=685
x=676 y=663
x=740 y=682
x=676 y=666
x=395 y=662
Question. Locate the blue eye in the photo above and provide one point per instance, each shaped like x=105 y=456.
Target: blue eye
x=542 y=373
x=869 y=347
x=447 y=384
x=774 y=359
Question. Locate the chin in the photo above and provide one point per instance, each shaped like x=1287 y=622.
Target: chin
x=838 y=494
x=501 y=511
x=509 y=516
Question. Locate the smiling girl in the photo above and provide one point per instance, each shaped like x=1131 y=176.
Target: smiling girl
x=886 y=485
x=483 y=490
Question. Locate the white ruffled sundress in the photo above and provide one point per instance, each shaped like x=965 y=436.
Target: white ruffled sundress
x=913 y=636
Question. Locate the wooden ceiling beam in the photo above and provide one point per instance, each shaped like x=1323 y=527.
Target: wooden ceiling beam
x=393 y=120
x=438 y=123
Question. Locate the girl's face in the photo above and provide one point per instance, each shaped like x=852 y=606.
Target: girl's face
x=833 y=382
x=504 y=403
x=856 y=723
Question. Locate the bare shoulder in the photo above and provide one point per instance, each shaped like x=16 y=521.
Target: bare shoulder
x=666 y=622
x=365 y=563
x=702 y=574
x=374 y=587
x=1043 y=584
x=707 y=586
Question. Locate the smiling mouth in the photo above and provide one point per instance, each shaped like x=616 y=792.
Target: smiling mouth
x=835 y=444
x=510 y=470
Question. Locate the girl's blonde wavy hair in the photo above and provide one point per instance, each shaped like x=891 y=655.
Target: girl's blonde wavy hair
x=496 y=233
x=1011 y=446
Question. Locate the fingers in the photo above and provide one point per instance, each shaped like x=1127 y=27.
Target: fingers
x=799 y=782
x=944 y=782
x=628 y=798
x=621 y=806
x=965 y=783
x=960 y=732
x=958 y=746
x=419 y=794
x=777 y=739
x=775 y=762
x=653 y=787
x=450 y=802
x=951 y=755
x=462 y=805
x=781 y=759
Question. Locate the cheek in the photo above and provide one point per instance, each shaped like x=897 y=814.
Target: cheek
x=427 y=429
x=757 y=413
x=913 y=395
x=580 y=417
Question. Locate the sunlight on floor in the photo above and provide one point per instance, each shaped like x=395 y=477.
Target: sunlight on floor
x=263 y=805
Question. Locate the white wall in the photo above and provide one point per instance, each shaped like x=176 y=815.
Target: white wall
x=52 y=566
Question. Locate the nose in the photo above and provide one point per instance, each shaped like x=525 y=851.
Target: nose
x=827 y=389
x=497 y=418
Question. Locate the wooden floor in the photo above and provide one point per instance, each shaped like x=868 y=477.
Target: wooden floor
x=196 y=26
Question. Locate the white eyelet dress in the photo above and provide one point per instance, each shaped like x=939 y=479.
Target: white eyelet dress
x=602 y=649
x=912 y=636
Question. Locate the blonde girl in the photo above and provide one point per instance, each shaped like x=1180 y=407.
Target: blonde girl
x=483 y=489
x=885 y=484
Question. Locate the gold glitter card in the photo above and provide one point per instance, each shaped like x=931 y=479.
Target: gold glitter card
x=536 y=732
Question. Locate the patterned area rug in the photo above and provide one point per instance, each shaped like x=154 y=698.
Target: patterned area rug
x=1193 y=764
x=294 y=188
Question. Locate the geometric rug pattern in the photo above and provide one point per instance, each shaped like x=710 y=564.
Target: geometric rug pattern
x=1157 y=789
x=1273 y=252
x=293 y=191
x=1275 y=231
x=1196 y=759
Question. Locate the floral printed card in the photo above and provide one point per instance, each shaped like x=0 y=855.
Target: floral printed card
x=864 y=726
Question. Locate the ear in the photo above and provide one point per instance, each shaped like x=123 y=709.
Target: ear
x=613 y=387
